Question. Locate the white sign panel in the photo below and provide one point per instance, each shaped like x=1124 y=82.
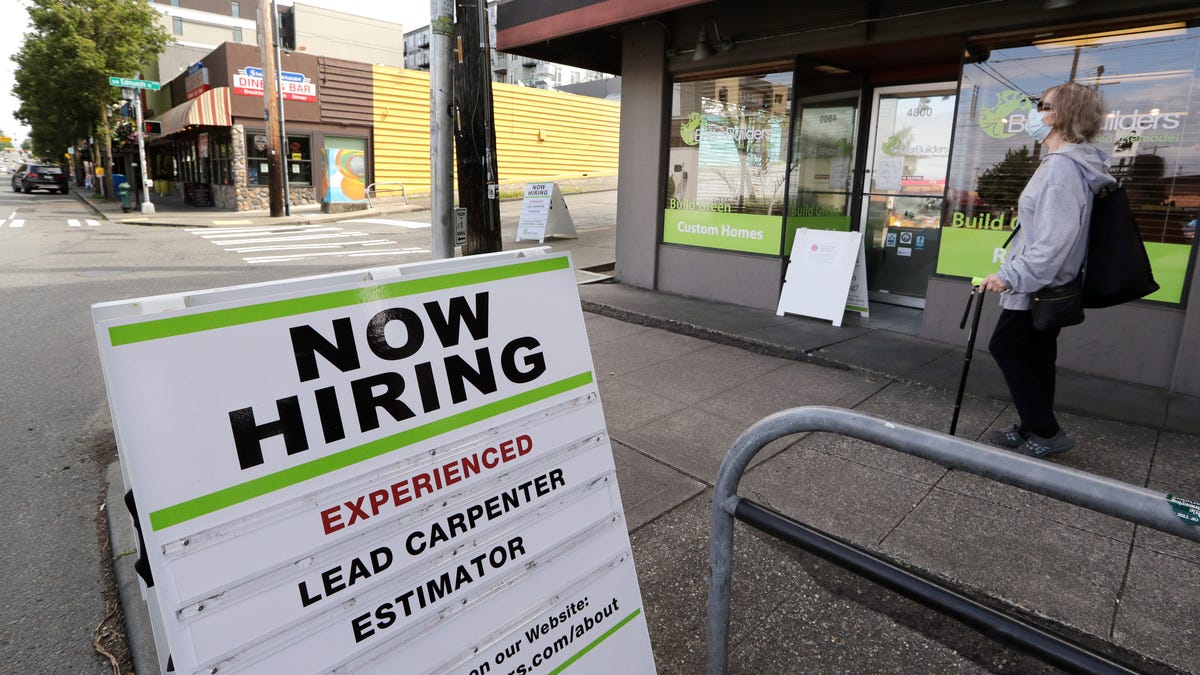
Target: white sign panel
x=392 y=470
x=544 y=214
x=819 y=274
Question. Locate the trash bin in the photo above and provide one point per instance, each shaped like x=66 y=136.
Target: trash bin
x=123 y=190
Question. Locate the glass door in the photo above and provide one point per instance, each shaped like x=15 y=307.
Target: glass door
x=822 y=170
x=904 y=189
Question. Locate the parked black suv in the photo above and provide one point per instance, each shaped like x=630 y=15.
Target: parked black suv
x=30 y=177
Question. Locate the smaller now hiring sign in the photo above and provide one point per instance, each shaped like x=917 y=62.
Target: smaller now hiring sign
x=403 y=469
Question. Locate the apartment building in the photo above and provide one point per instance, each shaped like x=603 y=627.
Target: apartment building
x=506 y=68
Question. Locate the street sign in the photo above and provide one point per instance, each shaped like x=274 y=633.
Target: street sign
x=5 y=139
x=136 y=84
x=460 y=226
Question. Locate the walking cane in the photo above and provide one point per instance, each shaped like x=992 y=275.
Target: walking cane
x=976 y=292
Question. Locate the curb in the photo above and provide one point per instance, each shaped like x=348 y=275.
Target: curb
x=90 y=205
x=138 y=631
x=719 y=337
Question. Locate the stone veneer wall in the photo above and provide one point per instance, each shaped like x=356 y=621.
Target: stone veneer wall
x=258 y=197
x=243 y=197
x=224 y=197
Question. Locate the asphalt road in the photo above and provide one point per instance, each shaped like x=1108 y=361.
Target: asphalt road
x=57 y=258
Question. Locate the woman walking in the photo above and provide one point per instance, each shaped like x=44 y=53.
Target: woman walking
x=1049 y=250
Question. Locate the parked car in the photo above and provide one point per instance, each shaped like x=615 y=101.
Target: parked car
x=30 y=177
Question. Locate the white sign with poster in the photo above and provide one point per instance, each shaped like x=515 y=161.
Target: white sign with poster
x=820 y=274
x=402 y=469
x=544 y=214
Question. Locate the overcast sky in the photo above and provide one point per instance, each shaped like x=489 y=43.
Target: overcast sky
x=14 y=21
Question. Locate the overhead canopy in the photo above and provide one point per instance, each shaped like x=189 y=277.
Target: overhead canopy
x=208 y=109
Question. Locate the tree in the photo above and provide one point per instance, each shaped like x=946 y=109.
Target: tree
x=63 y=67
x=1001 y=185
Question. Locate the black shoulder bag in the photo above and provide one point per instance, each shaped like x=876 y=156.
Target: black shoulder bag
x=1056 y=306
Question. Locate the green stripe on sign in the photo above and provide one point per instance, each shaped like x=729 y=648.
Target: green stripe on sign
x=257 y=487
x=607 y=634
x=236 y=316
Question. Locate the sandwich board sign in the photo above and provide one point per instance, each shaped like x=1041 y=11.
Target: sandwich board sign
x=400 y=469
x=544 y=214
x=823 y=268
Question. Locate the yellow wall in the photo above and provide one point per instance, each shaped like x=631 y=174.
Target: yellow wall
x=539 y=134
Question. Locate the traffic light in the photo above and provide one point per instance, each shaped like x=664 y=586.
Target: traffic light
x=153 y=126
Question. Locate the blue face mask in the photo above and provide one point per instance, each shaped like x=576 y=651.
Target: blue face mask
x=1035 y=125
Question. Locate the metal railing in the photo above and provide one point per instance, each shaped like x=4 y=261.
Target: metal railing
x=1161 y=511
x=372 y=188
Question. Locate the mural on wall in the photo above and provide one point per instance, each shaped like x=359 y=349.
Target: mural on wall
x=346 y=175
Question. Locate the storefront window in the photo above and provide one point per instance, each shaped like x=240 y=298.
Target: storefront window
x=298 y=154
x=1148 y=80
x=727 y=167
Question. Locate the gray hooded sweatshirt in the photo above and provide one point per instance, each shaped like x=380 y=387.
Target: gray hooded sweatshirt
x=1054 y=211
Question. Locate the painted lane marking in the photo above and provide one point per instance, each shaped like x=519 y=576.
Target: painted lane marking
x=301 y=247
x=20 y=222
x=409 y=224
x=346 y=254
x=303 y=237
x=208 y=232
x=93 y=223
x=73 y=222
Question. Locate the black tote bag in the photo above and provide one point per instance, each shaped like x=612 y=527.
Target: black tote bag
x=1117 y=268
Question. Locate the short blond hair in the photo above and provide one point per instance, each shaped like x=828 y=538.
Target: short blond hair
x=1078 y=111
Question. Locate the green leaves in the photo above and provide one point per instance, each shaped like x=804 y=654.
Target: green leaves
x=71 y=48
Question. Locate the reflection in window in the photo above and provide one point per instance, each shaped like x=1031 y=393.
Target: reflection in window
x=822 y=164
x=727 y=163
x=298 y=154
x=1147 y=79
x=730 y=141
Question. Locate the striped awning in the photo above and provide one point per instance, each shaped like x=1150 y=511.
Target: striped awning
x=208 y=109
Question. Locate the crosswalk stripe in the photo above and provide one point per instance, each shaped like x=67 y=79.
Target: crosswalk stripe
x=221 y=231
x=412 y=225
x=93 y=223
x=347 y=254
x=73 y=222
x=17 y=223
x=303 y=237
x=251 y=249
x=216 y=237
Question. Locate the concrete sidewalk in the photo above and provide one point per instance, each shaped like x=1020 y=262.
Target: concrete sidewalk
x=680 y=379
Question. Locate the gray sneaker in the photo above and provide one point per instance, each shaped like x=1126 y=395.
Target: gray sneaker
x=1007 y=438
x=1039 y=447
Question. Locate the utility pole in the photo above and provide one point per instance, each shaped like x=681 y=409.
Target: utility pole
x=283 y=142
x=147 y=207
x=475 y=133
x=441 y=127
x=275 y=175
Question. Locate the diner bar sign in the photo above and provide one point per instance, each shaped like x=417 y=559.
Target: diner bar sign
x=295 y=86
